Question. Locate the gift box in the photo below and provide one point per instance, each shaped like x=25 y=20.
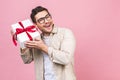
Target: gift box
x=24 y=31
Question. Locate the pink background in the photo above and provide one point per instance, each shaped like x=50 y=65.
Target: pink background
x=95 y=23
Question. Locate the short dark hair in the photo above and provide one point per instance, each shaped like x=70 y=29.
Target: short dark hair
x=35 y=11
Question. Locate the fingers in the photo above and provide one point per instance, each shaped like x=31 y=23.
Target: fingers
x=37 y=39
x=11 y=32
x=30 y=42
x=33 y=44
x=29 y=45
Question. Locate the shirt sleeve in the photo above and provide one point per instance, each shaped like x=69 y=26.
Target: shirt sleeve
x=66 y=52
x=27 y=56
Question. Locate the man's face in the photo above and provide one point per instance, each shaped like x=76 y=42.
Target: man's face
x=44 y=21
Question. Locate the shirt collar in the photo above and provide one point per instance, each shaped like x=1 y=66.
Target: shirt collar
x=55 y=29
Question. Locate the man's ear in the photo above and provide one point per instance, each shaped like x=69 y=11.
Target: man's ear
x=35 y=24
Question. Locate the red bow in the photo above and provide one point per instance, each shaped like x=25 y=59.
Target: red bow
x=21 y=30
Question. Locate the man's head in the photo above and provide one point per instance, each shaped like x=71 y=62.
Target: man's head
x=42 y=19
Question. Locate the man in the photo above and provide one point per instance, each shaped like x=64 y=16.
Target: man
x=53 y=54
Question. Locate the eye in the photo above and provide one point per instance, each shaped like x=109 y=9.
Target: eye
x=48 y=17
x=41 y=20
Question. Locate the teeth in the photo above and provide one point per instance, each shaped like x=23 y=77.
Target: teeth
x=47 y=25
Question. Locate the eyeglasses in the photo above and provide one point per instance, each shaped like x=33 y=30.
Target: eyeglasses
x=42 y=20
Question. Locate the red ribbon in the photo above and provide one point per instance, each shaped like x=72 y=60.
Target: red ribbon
x=21 y=30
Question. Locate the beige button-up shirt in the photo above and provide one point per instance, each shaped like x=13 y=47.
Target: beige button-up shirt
x=61 y=53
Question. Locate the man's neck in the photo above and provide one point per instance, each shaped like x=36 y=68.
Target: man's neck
x=46 y=34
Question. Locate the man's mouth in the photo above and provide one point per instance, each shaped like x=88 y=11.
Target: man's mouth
x=47 y=26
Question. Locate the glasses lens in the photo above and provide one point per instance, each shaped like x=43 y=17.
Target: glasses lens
x=42 y=20
x=48 y=17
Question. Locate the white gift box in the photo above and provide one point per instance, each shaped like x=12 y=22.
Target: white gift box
x=23 y=37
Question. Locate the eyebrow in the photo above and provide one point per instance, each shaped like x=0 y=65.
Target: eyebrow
x=44 y=16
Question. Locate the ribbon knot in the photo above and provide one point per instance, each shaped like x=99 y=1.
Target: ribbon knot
x=21 y=30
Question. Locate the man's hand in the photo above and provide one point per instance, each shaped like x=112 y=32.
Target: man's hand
x=12 y=34
x=38 y=44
